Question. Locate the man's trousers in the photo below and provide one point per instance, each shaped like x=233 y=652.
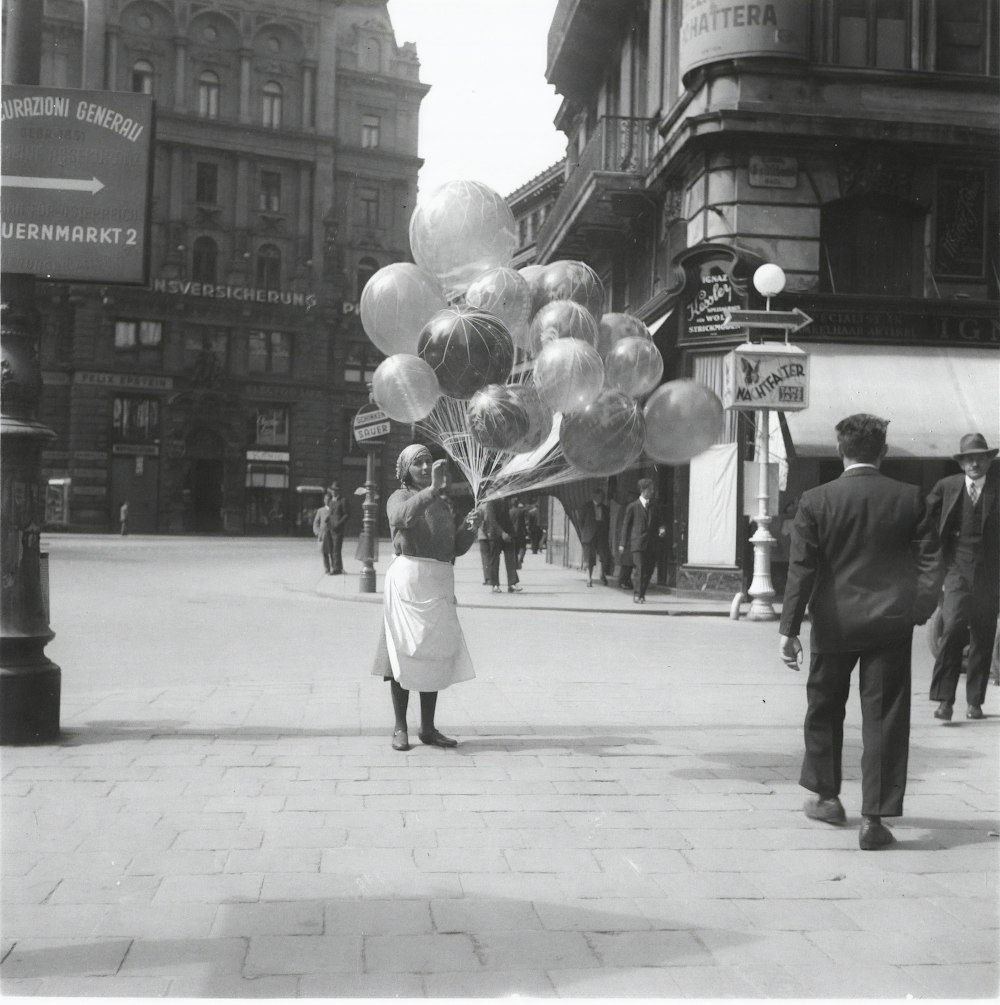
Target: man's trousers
x=884 y=685
x=970 y=617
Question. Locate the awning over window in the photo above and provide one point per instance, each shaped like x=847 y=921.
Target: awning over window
x=931 y=395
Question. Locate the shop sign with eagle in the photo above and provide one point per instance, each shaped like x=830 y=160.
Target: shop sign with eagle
x=767 y=375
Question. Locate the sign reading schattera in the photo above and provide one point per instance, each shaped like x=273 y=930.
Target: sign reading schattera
x=75 y=183
x=766 y=375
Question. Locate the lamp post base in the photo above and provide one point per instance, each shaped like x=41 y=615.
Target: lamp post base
x=29 y=701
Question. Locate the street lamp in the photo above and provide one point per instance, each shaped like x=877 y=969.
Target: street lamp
x=769 y=281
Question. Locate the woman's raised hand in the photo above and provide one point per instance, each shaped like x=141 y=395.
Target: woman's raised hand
x=439 y=477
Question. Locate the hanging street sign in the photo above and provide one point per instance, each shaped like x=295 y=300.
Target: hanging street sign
x=75 y=183
x=371 y=426
x=791 y=321
x=766 y=375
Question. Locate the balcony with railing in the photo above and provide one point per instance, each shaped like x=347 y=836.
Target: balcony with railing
x=603 y=191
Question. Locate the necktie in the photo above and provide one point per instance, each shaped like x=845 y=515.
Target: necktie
x=973 y=492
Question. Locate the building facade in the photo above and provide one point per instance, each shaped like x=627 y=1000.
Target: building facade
x=218 y=397
x=851 y=142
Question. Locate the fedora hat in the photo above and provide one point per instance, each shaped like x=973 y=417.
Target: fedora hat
x=974 y=443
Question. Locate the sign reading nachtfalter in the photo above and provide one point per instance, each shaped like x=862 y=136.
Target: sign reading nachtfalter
x=712 y=30
x=766 y=375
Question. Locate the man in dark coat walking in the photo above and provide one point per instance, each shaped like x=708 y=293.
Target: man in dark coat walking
x=339 y=513
x=864 y=557
x=965 y=509
x=500 y=531
x=595 y=523
x=641 y=530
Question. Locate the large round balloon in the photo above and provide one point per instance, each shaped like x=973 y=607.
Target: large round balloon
x=683 y=419
x=568 y=280
x=568 y=374
x=467 y=349
x=460 y=231
x=615 y=327
x=634 y=366
x=533 y=275
x=496 y=418
x=506 y=294
x=606 y=436
x=561 y=319
x=539 y=418
x=405 y=387
x=396 y=303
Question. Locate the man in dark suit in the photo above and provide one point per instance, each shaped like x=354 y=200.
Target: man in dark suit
x=863 y=556
x=641 y=530
x=500 y=531
x=594 y=528
x=965 y=509
x=339 y=513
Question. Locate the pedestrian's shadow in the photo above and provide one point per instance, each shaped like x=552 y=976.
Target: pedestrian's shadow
x=945 y=832
x=578 y=743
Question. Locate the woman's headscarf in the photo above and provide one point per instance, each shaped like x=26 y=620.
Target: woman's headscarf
x=407 y=458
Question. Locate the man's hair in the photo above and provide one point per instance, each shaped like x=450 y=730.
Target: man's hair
x=645 y=483
x=861 y=437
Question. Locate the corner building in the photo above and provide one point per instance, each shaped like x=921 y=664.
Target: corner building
x=851 y=142
x=219 y=397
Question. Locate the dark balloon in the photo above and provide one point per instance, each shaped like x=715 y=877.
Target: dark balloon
x=606 y=436
x=497 y=419
x=467 y=349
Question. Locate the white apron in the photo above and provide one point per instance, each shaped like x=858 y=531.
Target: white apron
x=426 y=645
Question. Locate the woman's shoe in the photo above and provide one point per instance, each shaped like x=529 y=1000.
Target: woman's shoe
x=496 y=589
x=435 y=738
x=400 y=739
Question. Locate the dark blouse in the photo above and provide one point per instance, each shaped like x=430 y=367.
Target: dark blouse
x=423 y=526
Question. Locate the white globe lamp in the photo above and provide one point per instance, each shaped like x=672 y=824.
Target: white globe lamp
x=769 y=281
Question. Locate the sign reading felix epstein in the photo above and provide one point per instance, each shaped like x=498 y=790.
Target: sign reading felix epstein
x=75 y=183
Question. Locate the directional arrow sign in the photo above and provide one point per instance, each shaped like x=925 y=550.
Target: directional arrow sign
x=91 y=185
x=793 y=321
x=57 y=221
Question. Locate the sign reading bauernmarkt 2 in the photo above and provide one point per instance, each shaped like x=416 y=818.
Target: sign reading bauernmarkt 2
x=75 y=183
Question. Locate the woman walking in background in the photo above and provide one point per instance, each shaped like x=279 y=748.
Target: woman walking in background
x=421 y=646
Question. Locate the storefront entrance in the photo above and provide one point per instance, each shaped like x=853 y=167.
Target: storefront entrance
x=203 y=483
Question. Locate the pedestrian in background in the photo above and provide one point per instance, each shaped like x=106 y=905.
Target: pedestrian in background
x=965 y=509
x=594 y=522
x=519 y=519
x=484 y=544
x=864 y=559
x=123 y=517
x=321 y=529
x=421 y=647
x=339 y=514
x=500 y=531
x=641 y=531
x=533 y=521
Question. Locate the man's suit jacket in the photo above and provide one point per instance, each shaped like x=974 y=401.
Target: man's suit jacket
x=864 y=558
x=592 y=529
x=640 y=527
x=339 y=512
x=944 y=505
x=497 y=520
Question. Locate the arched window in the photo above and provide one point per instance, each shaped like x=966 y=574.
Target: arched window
x=204 y=259
x=142 y=77
x=208 y=95
x=268 y=267
x=367 y=268
x=271 y=104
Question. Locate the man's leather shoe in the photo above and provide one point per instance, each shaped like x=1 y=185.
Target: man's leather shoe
x=944 y=710
x=400 y=740
x=437 y=739
x=974 y=712
x=874 y=835
x=830 y=810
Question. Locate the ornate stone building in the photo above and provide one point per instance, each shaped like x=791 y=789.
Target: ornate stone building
x=218 y=397
x=851 y=142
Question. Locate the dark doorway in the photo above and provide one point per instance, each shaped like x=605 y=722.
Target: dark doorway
x=203 y=482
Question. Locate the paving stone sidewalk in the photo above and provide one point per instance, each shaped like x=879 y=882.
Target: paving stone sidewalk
x=621 y=819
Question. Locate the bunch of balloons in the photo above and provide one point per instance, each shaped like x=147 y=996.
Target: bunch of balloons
x=453 y=324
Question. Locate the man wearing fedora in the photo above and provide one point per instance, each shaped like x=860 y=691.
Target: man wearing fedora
x=966 y=513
